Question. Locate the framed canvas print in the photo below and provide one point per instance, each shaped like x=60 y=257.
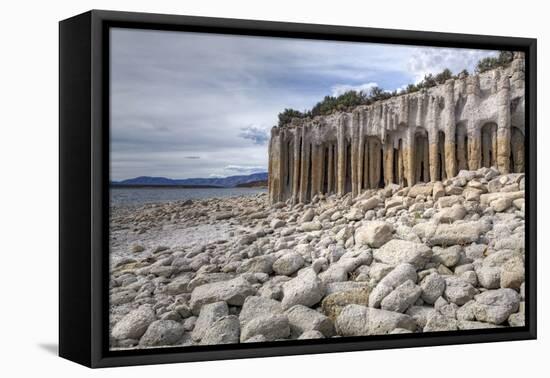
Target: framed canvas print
x=234 y=188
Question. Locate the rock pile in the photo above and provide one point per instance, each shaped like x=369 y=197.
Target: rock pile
x=444 y=256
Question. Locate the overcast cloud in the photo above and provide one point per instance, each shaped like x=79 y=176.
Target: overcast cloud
x=201 y=105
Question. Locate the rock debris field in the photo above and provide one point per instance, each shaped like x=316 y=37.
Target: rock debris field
x=441 y=256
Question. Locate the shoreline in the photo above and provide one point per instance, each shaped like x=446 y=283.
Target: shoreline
x=434 y=257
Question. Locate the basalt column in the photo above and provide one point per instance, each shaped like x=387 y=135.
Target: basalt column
x=433 y=162
x=504 y=125
x=388 y=161
x=374 y=162
x=361 y=154
x=449 y=123
x=517 y=143
x=474 y=132
x=421 y=166
x=330 y=170
x=341 y=174
x=354 y=153
x=462 y=146
x=305 y=165
x=296 y=164
x=276 y=172
x=488 y=145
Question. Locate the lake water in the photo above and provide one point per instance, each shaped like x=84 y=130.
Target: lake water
x=140 y=196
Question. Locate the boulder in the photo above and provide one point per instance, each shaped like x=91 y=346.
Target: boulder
x=438 y=191
x=305 y=289
x=456 y=233
x=374 y=234
x=458 y=291
x=308 y=216
x=234 y=292
x=258 y=264
x=433 y=286
x=277 y=223
x=208 y=315
x=288 y=264
x=402 y=297
x=302 y=319
x=134 y=324
x=512 y=274
x=437 y=322
x=356 y=320
x=495 y=306
x=255 y=306
x=396 y=252
x=225 y=330
x=162 y=332
x=449 y=256
x=271 y=327
x=420 y=314
x=311 y=226
x=424 y=189
x=369 y=204
x=450 y=214
x=333 y=303
x=307 y=335
x=399 y=275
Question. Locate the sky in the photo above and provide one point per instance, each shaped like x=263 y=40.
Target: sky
x=187 y=105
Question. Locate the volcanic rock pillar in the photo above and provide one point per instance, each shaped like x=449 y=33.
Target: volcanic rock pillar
x=449 y=119
x=304 y=169
x=503 y=125
x=341 y=174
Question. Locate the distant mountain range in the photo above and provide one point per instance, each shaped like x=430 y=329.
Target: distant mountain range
x=218 y=182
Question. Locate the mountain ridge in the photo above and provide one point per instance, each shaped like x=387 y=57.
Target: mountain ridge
x=222 y=182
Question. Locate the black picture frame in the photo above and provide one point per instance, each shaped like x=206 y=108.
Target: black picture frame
x=84 y=187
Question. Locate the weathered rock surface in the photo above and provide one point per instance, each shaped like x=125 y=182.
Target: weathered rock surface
x=374 y=234
x=134 y=325
x=162 y=332
x=306 y=289
x=356 y=320
x=396 y=252
x=234 y=292
x=495 y=306
x=302 y=319
x=271 y=327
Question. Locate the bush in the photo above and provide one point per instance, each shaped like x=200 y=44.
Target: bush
x=503 y=59
x=286 y=116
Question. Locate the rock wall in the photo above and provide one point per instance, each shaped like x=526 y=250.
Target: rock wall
x=471 y=122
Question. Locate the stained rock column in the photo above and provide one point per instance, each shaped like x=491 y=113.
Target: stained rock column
x=474 y=132
x=305 y=162
x=354 y=153
x=503 y=125
x=474 y=148
x=449 y=127
x=341 y=175
x=330 y=170
x=360 y=153
x=296 y=164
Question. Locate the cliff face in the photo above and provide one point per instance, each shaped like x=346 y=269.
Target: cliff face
x=467 y=123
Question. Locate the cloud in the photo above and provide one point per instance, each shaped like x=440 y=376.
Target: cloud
x=192 y=157
x=340 y=89
x=433 y=60
x=257 y=135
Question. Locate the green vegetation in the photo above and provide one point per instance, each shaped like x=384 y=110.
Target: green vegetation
x=503 y=59
x=350 y=99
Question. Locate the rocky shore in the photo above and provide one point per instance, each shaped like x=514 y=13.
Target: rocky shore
x=441 y=256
